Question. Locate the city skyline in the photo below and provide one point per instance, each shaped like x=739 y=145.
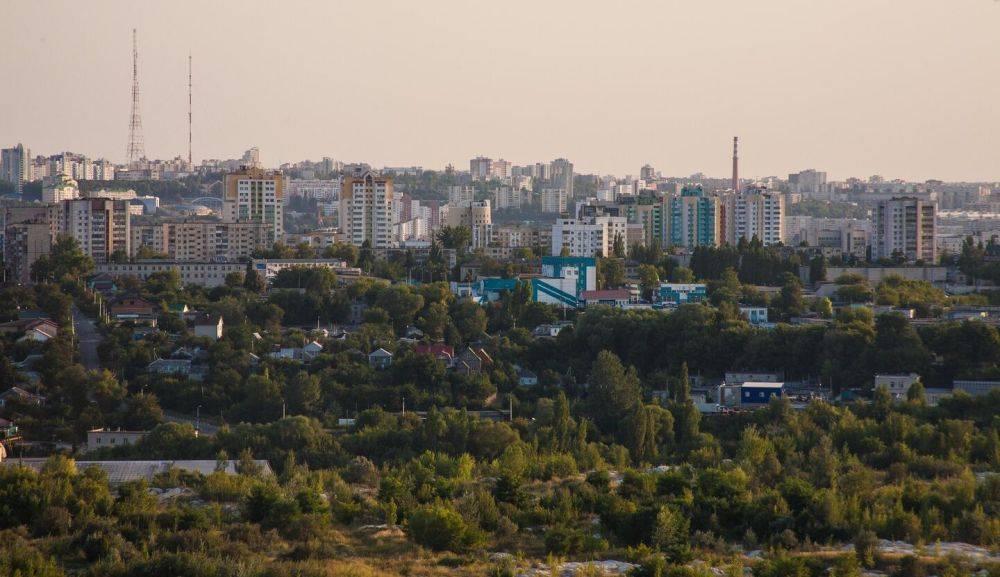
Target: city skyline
x=610 y=88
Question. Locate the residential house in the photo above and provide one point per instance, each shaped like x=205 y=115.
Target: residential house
x=20 y=396
x=472 y=360
x=100 y=438
x=133 y=309
x=551 y=331
x=207 y=325
x=103 y=283
x=527 y=378
x=170 y=367
x=440 y=351
x=380 y=359
x=37 y=330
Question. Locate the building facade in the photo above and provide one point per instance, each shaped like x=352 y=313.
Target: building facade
x=100 y=225
x=755 y=212
x=15 y=167
x=693 y=218
x=255 y=195
x=366 y=210
x=587 y=237
x=905 y=228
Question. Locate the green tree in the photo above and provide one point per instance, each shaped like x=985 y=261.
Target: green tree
x=253 y=281
x=614 y=391
x=344 y=251
x=66 y=261
x=455 y=237
x=649 y=281
x=671 y=534
x=611 y=272
x=686 y=415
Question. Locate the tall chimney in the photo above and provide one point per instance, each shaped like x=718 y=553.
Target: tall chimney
x=736 y=164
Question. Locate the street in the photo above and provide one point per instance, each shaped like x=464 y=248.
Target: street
x=87 y=338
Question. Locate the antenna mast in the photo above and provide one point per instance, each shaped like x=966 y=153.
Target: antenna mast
x=190 y=162
x=136 y=149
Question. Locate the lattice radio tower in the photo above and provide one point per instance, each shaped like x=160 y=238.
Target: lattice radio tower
x=190 y=162
x=136 y=149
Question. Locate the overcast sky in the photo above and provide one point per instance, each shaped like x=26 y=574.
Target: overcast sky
x=904 y=88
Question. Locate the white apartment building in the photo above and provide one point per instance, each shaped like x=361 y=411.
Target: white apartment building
x=59 y=189
x=101 y=226
x=587 y=237
x=509 y=198
x=254 y=195
x=553 y=200
x=314 y=189
x=366 y=210
x=850 y=235
x=758 y=212
x=905 y=227
x=461 y=195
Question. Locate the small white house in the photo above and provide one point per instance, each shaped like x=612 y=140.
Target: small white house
x=208 y=326
x=898 y=385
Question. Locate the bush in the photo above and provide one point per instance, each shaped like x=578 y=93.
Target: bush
x=438 y=528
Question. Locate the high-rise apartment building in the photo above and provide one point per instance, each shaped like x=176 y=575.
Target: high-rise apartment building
x=15 y=167
x=100 y=225
x=808 y=182
x=251 y=158
x=647 y=173
x=755 y=212
x=499 y=169
x=553 y=200
x=479 y=168
x=203 y=241
x=461 y=195
x=255 y=195
x=693 y=218
x=29 y=230
x=562 y=175
x=366 y=210
x=587 y=237
x=905 y=227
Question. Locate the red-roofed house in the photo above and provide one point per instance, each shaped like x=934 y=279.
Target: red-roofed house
x=440 y=351
x=613 y=297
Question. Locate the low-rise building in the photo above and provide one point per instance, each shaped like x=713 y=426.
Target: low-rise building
x=898 y=385
x=210 y=326
x=380 y=359
x=101 y=438
x=759 y=393
x=676 y=294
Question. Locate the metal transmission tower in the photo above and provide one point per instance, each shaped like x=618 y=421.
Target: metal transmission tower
x=189 y=111
x=136 y=149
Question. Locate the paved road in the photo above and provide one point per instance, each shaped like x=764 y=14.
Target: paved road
x=87 y=338
x=206 y=428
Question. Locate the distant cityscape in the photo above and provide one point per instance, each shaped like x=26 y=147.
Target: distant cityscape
x=227 y=209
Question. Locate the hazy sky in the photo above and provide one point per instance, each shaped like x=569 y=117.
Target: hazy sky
x=905 y=88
